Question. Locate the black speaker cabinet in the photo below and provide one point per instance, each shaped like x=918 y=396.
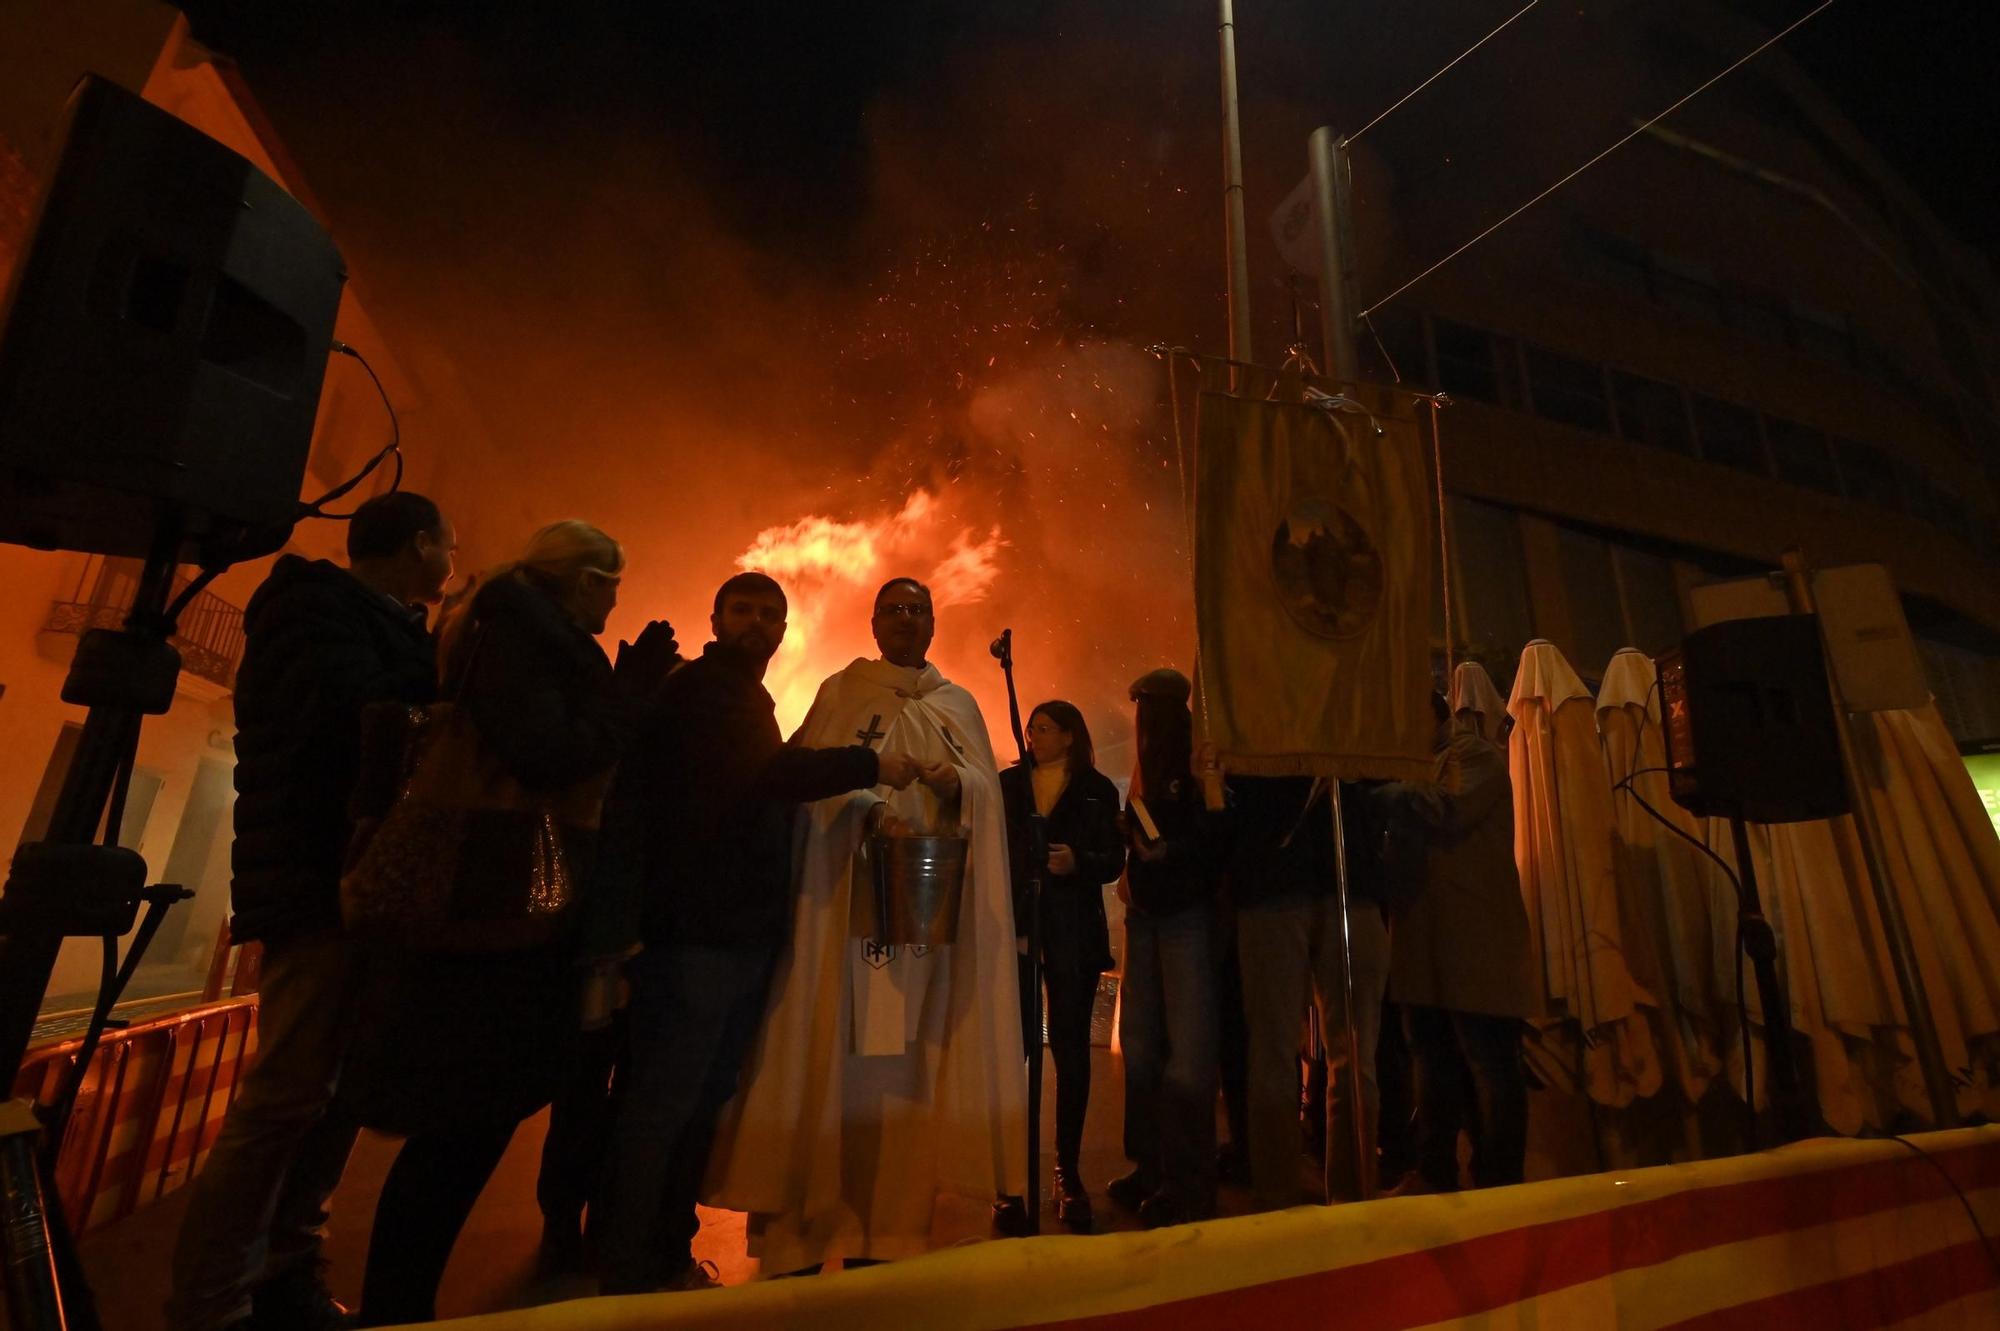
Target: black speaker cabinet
x=164 y=340
x=1749 y=722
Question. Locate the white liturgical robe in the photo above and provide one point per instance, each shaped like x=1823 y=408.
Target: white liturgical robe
x=882 y=1077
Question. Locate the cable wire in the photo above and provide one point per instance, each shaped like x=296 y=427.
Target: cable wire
x=1985 y=1240
x=394 y=448
x=1385 y=114
x=1741 y=61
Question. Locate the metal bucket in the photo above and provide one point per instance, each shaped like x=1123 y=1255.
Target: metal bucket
x=919 y=889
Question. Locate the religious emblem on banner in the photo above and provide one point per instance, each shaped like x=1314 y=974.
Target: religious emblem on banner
x=1328 y=569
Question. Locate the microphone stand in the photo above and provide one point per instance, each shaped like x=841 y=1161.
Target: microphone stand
x=1038 y=857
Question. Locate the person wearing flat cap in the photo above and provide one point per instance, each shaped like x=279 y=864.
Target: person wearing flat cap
x=1168 y=1022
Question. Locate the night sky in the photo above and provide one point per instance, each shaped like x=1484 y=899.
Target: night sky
x=772 y=93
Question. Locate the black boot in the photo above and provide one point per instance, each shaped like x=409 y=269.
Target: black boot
x=1072 y=1201
x=1010 y=1218
x=1131 y=1190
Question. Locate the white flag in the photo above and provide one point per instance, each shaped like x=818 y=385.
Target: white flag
x=1295 y=227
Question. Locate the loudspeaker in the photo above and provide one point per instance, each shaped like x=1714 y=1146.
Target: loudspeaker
x=1749 y=722
x=163 y=341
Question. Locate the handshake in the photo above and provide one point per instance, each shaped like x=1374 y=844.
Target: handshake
x=898 y=770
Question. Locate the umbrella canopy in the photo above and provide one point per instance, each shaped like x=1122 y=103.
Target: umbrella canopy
x=1563 y=847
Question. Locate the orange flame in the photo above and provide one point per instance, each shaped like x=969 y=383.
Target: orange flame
x=831 y=570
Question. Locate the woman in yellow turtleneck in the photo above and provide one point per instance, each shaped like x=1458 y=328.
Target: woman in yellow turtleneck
x=1079 y=807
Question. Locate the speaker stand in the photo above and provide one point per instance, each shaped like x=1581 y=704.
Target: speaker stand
x=1760 y=942
x=69 y=886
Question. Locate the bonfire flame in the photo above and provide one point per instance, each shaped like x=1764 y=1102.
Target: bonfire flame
x=832 y=569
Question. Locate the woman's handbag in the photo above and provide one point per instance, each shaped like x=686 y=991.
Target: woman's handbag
x=467 y=859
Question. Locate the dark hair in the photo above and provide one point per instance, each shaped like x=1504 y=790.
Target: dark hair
x=883 y=590
x=1165 y=735
x=1439 y=707
x=752 y=582
x=384 y=526
x=1082 y=753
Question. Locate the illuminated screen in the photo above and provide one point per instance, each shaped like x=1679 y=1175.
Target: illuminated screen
x=1985 y=769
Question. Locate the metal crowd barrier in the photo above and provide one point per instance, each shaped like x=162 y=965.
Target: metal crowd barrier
x=149 y=1109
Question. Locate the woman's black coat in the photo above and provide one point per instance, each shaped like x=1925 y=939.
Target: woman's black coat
x=1075 y=936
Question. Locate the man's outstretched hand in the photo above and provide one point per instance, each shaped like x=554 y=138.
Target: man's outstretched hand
x=942 y=779
x=896 y=770
x=644 y=665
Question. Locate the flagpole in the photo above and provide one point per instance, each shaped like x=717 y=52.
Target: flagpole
x=1326 y=157
x=1232 y=197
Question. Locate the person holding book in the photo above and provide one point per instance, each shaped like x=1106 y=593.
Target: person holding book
x=1168 y=1024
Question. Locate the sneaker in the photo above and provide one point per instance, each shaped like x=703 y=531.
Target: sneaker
x=697 y=1277
x=1010 y=1218
x=299 y=1300
x=1131 y=1190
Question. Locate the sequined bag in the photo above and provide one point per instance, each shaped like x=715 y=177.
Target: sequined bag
x=467 y=859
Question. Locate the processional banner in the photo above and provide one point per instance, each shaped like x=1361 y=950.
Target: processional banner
x=1313 y=584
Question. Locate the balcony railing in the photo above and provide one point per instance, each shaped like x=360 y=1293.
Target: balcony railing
x=209 y=636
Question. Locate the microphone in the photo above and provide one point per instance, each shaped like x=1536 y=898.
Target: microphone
x=1003 y=645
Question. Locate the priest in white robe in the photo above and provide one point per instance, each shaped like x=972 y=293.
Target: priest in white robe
x=884 y=1077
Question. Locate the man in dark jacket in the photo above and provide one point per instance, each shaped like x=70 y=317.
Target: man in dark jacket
x=322 y=643
x=712 y=789
x=1289 y=935
x=1462 y=967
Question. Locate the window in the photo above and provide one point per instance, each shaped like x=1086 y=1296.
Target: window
x=1823 y=334
x=1954 y=516
x=1620 y=264
x=1687 y=287
x=1651 y=412
x=1466 y=363
x=1590 y=588
x=1802 y=454
x=1490 y=591
x=1761 y=315
x=1395 y=348
x=1729 y=435
x=1919 y=495
x=1652 y=602
x=1568 y=391
x=1870 y=476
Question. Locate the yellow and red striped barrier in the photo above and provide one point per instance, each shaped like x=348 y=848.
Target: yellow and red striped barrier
x=1827 y=1235
x=151 y=1105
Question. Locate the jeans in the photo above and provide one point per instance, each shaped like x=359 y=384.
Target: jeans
x=258 y=1208
x=694 y=1016
x=424 y=1204
x=1235 y=1046
x=1168 y=1030
x=1072 y=997
x=1396 y=1128
x=1453 y=1049
x=1291 y=955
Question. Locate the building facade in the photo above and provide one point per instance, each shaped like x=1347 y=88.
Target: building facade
x=1739 y=333
x=179 y=812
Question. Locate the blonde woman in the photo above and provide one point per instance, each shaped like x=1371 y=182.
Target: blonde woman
x=457 y=1048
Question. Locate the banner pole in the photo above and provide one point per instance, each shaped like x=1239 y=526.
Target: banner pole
x=1364 y=1177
